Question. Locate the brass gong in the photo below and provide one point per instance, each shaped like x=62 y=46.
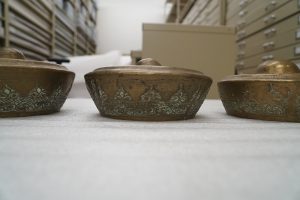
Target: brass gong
x=147 y=91
x=273 y=93
x=31 y=87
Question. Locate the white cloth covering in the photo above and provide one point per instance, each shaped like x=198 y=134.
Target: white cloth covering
x=82 y=65
x=78 y=155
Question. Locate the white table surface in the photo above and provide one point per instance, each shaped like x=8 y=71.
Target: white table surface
x=78 y=155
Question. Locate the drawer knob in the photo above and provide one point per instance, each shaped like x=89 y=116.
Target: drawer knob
x=241 y=24
x=242 y=44
x=268 y=45
x=243 y=13
x=240 y=65
x=244 y=3
x=267 y=57
x=271 y=6
x=269 y=19
x=241 y=34
x=241 y=55
x=270 y=32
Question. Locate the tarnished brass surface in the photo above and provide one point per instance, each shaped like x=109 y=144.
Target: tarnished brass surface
x=31 y=87
x=147 y=92
x=271 y=94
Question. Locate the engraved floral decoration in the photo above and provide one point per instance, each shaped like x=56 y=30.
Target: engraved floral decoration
x=150 y=103
x=36 y=100
x=249 y=103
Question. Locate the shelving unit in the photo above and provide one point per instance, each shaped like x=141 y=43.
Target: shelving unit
x=178 y=10
x=265 y=30
x=271 y=31
x=45 y=29
x=204 y=12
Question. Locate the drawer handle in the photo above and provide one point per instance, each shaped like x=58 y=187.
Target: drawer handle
x=297 y=51
x=273 y=3
x=241 y=25
x=241 y=55
x=268 y=45
x=270 y=32
x=242 y=44
x=244 y=3
x=271 y=44
x=298 y=34
x=269 y=19
x=243 y=13
x=267 y=57
x=271 y=6
x=241 y=34
x=265 y=45
x=240 y=65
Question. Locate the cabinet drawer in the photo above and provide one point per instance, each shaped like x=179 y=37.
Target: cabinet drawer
x=286 y=10
x=213 y=17
x=232 y=21
x=287 y=53
x=259 y=9
x=245 y=3
x=194 y=12
x=232 y=8
x=189 y=18
x=211 y=6
x=283 y=34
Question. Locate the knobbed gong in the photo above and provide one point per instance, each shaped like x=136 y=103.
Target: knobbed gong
x=147 y=91
x=31 y=87
x=273 y=93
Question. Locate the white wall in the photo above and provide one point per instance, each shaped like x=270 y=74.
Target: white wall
x=120 y=23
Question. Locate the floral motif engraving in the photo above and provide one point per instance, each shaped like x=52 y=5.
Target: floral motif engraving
x=121 y=95
x=36 y=100
x=150 y=103
x=150 y=96
x=250 y=104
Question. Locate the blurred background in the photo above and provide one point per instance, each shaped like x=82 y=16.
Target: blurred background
x=217 y=37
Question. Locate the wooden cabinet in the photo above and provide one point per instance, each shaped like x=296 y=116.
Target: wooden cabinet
x=49 y=28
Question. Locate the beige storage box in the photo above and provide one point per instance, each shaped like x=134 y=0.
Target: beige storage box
x=209 y=49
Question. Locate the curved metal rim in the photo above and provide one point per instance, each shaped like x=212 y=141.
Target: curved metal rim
x=147 y=71
x=29 y=64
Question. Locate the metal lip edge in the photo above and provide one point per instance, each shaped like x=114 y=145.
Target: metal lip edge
x=28 y=69
x=147 y=70
x=177 y=74
x=31 y=64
